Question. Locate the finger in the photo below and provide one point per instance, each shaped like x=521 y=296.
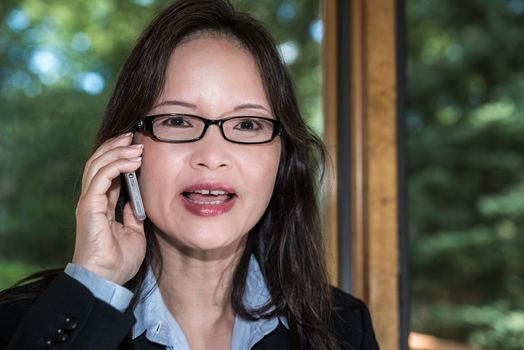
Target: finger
x=102 y=181
x=123 y=140
x=111 y=155
x=120 y=140
x=112 y=196
x=130 y=219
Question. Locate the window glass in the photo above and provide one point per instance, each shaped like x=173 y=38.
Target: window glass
x=465 y=128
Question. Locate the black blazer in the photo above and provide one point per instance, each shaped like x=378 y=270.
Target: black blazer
x=67 y=316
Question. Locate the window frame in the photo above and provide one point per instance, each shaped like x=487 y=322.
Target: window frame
x=364 y=206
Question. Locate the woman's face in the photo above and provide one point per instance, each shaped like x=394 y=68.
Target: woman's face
x=211 y=77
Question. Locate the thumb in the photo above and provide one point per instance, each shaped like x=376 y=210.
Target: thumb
x=130 y=219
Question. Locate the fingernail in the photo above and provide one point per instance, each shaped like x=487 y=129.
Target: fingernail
x=127 y=134
x=136 y=159
x=138 y=145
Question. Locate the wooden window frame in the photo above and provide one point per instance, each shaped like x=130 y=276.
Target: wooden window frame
x=364 y=203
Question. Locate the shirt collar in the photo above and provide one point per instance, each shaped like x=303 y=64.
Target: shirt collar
x=248 y=333
x=154 y=318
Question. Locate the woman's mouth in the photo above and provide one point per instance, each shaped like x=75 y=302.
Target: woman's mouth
x=208 y=196
x=208 y=201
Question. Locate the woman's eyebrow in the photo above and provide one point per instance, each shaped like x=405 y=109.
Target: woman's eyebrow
x=250 y=106
x=175 y=103
x=193 y=106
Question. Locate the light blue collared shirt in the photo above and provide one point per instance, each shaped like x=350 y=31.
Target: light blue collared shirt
x=154 y=318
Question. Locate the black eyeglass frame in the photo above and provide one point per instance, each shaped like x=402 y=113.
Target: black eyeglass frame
x=145 y=125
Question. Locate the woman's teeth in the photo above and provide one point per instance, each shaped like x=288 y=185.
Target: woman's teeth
x=208 y=197
x=212 y=192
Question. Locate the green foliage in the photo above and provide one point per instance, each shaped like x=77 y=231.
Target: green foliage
x=13 y=270
x=465 y=125
x=506 y=331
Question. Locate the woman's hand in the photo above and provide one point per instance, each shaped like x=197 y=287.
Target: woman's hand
x=111 y=250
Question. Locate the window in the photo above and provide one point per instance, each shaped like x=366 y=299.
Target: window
x=465 y=130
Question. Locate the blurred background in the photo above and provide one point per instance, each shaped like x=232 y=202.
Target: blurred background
x=465 y=134
x=463 y=122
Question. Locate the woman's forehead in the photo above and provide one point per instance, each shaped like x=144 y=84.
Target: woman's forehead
x=210 y=68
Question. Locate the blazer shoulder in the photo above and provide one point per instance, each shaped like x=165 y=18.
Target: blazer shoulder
x=351 y=322
x=342 y=299
x=17 y=300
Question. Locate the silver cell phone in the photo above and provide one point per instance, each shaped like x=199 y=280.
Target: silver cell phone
x=134 y=195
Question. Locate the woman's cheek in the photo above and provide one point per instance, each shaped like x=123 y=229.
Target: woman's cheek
x=155 y=175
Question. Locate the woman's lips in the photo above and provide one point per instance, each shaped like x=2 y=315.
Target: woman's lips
x=208 y=200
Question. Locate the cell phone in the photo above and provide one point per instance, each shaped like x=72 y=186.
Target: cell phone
x=134 y=195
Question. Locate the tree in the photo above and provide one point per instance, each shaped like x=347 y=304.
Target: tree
x=466 y=169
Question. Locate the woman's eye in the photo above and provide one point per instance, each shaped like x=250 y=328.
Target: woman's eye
x=176 y=122
x=248 y=124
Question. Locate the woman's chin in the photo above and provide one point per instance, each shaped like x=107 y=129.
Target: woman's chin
x=207 y=244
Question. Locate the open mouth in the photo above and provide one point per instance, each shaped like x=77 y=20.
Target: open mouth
x=208 y=197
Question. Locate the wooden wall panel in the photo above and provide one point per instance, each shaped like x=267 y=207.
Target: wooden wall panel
x=330 y=62
x=375 y=193
x=374 y=169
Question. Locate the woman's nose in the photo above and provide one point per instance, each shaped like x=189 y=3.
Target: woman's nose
x=212 y=151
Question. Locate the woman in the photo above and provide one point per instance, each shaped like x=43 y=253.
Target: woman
x=231 y=254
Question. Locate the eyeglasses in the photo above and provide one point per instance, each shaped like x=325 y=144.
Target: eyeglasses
x=178 y=128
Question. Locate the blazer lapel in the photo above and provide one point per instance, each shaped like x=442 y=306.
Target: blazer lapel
x=278 y=339
x=141 y=343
